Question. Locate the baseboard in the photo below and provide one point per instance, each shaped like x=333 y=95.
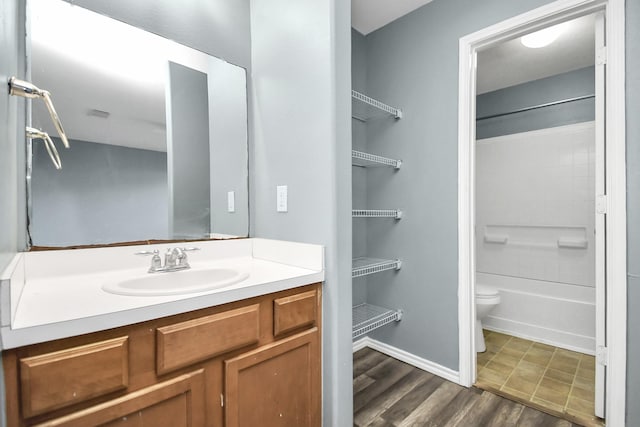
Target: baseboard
x=360 y=344
x=411 y=359
x=539 y=334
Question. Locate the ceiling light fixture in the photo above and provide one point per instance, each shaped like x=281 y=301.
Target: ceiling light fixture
x=543 y=37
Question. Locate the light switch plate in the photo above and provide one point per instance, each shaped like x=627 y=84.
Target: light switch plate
x=231 y=201
x=281 y=198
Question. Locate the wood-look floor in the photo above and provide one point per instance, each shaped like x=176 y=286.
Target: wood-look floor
x=388 y=393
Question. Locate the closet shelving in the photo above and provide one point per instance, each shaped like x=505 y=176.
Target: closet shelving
x=367 y=317
x=373 y=107
x=363 y=266
x=367 y=160
x=377 y=213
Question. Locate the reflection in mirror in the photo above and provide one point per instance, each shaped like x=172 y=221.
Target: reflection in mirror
x=158 y=134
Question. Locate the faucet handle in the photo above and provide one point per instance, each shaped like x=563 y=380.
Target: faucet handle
x=156 y=262
x=182 y=257
x=155 y=252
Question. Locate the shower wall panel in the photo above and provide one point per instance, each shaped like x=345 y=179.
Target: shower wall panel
x=535 y=217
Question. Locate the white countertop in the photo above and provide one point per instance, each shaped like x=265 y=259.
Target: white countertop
x=57 y=294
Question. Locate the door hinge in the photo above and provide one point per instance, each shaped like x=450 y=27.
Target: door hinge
x=601 y=55
x=601 y=204
x=602 y=355
x=221 y=400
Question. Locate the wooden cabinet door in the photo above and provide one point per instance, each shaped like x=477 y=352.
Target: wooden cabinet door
x=275 y=385
x=175 y=403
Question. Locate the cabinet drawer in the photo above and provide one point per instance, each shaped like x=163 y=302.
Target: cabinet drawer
x=188 y=342
x=179 y=402
x=294 y=312
x=58 y=379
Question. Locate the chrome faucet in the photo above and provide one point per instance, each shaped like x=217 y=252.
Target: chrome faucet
x=174 y=260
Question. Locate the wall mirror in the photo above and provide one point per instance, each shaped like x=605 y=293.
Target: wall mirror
x=158 y=134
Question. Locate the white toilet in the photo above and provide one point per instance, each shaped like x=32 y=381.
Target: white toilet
x=486 y=299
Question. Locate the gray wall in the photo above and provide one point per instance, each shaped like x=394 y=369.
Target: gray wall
x=10 y=110
x=302 y=131
x=359 y=174
x=633 y=210
x=563 y=86
x=188 y=153
x=11 y=113
x=130 y=204
x=413 y=64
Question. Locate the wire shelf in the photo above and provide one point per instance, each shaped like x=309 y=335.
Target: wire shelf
x=362 y=159
x=367 y=317
x=364 y=266
x=377 y=213
x=395 y=112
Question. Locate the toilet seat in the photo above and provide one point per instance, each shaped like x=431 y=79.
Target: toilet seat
x=485 y=291
x=487 y=295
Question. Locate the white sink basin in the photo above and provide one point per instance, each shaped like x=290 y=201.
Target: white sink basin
x=177 y=282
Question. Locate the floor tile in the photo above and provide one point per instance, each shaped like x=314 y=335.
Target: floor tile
x=494 y=346
x=558 y=380
x=513 y=352
x=547 y=404
x=518 y=393
x=564 y=364
x=496 y=341
x=568 y=353
x=491 y=376
x=500 y=368
x=553 y=391
x=531 y=368
x=582 y=393
x=586 y=372
x=485 y=357
x=543 y=346
x=506 y=359
x=587 y=361
x=585 y=383
x=521 y=383
x=519 y=343
x=580 y=405
x=563 y=377
x=541 y=357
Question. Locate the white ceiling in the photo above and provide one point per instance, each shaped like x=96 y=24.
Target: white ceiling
x=107 y=85
x=511 y=63
x=369 y=15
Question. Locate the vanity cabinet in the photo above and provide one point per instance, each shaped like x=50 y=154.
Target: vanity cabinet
x=275 y=385
x=246 y=363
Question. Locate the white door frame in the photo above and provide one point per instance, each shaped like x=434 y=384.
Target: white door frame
x=600 y=218
x=616 y=241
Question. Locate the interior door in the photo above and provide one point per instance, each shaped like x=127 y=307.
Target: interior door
x=601 y=217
